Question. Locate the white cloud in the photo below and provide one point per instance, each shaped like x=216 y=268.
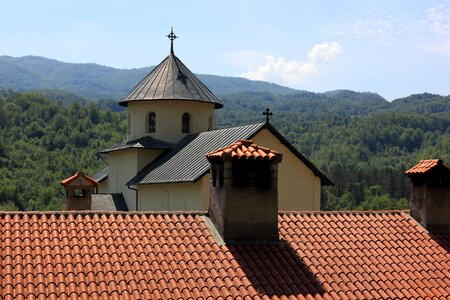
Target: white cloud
x=278 y=69
x=291 y=72
x=443 y=48
x=438 y=20
x=427 y=29
x=324 y=52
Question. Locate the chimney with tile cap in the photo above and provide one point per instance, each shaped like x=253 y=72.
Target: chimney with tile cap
x=243 y=202
x=430 y=195
x=79 y=188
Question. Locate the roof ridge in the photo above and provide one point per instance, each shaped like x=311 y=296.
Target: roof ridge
x=345 y=212
x=188 y=213
x=234 y=127
x=101 y=212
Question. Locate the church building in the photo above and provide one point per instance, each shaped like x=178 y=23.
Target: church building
x=162 y=165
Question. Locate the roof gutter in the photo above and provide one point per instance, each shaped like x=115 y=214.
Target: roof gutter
x=137 y=198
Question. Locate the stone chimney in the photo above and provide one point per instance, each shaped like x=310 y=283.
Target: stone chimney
x=243 y=204
x=79 y=189
x=430 y=195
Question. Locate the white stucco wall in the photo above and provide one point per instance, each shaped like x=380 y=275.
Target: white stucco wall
x=168 y=118
x=124 y=165
x=298 y=187
x=171 y=197
x=103 y=187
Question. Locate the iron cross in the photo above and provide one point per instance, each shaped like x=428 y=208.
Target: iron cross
x=171 y=37
x=268 y=114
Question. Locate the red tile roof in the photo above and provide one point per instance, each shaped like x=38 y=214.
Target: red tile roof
x=77 y=175
x=425 y=165
x=321 y=255
x=245 y=149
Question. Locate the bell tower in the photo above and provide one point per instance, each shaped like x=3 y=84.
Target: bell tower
x=170 y=102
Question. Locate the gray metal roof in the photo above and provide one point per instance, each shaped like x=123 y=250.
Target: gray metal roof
x=108 y=202
x=102 y=174
x=146 y=142
x=171 y=80
x=187 y=161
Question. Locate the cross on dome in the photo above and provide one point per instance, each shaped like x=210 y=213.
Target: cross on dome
x=171 y=37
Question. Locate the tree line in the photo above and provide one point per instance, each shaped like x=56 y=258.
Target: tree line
x=362 y=144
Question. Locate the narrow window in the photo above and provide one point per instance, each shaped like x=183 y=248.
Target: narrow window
x=186 y=123
x=210 y=123
x=151 y=122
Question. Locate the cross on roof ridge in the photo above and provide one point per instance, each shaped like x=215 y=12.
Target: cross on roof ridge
x=268 y=114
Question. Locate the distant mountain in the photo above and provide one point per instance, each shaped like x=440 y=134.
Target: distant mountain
x=95 y=81
x=341 y=102
x=423 y=103
x=87 y=80
x=222 y=85
x=247 y=106
x=68 y=82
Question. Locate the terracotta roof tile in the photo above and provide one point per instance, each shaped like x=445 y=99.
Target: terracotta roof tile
x=245 y=149
x=425 y=166
x=89 y=255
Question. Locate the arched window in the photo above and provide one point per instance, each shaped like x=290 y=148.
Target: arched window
x=151 y=122
x=186 y=123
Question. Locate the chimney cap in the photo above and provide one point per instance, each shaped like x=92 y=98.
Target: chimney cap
x=426 y=165
x=78 y=174
x=245 y=150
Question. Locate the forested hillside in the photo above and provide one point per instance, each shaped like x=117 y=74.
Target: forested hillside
x=359 y=140
x=362 y=142
x=30 y=73
x=43 y=142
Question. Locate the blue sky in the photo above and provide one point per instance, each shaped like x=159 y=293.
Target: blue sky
x=393 y=48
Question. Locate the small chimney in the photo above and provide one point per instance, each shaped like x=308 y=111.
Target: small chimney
x=243 y=204
x=79 y=189
x=430 y=195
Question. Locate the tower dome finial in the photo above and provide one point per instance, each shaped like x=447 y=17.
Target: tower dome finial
x=171 y=37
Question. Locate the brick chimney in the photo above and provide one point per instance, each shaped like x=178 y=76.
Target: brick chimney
x=243 y=204
x=430 y=195
x=79 y=189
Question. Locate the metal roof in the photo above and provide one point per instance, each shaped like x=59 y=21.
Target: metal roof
x=171 y=80
x=187 y=161
x=108 y=202
x=102 y=174
x=146 y=142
